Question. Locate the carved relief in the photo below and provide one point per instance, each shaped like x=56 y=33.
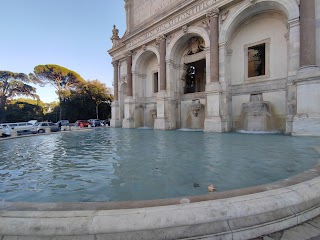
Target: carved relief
x=196 y=44
x=169 y=38
x=123 y=79
x=205 y=24
x=185 y=29
x=253 y=2
x=144 y=47
x=224 y=16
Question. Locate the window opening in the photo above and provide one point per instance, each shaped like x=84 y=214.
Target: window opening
x=195 y=77
x=256 y=60
x=155 y=82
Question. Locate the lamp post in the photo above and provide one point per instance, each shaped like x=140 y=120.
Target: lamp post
x=97 y=108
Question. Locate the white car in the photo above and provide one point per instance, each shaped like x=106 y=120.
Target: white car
x=19 y=126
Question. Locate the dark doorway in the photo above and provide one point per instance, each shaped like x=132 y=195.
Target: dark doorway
x=195 y=77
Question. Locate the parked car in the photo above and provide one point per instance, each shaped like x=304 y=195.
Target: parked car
x=33 y=122
x=40 y=127
x=63 y=123
x=95 y=122
x=19 y=126
x=84 y=123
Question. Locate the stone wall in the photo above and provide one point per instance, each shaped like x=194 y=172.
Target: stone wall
x=263 y=28
x=317 y=31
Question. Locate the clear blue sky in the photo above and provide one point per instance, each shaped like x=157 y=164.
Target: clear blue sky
x=71 y=33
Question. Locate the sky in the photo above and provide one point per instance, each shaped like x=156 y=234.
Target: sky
x=74 y=34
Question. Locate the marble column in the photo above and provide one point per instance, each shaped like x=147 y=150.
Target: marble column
x=307 y=33
x=161 y=122
x=213 y=17
x=307 y=117
x=162 y=50
x=213 y=121
x=129 y=102
x=115 y=79
x=115 y=110
x=129 y=74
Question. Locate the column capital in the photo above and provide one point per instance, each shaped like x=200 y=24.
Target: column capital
x=127 y=4
x=213 y=13
x=161 y=37
x=129 y=54
x=115 y=63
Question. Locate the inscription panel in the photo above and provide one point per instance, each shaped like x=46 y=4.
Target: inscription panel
x=144 y=9
x=170 y=23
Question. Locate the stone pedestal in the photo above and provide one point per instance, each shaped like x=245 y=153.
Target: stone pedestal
x=307 y=119
x=115 y=113
x=213 y=121
x=129 y=108
x=162 y=121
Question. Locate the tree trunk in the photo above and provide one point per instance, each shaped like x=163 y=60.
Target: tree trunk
x=2 y=110
x=60 y=103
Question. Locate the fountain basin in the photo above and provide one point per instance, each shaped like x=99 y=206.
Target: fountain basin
x=237 y=214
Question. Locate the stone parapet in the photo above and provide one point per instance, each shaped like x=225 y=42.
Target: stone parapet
x=247 y=216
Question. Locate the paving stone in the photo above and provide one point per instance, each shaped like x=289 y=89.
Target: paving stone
x=315 y=238
x=277 y=235
x=9 y=238
x=301 y=232
x=315 y=222
x=267 y=238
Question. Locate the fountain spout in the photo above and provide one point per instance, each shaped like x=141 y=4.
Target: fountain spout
x=256 y=113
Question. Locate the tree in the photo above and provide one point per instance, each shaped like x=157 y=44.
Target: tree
x=12 y=85
x=62 y=79
x=83 y=101
x=24 y=109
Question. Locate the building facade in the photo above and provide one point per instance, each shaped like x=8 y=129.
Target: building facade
x=218 y=65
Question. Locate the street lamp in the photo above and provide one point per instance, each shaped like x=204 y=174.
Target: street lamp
x=97 y=107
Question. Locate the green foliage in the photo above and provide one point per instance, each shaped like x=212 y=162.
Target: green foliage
x=20 y=111
x=83 y=101
x=13 y=85
x=61 y=78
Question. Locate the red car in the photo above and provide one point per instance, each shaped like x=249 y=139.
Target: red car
x=83 y=122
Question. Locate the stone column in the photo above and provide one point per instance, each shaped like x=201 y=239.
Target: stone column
x=307 y=33
x=306 y=120
x=213 y=17
x=162 y=50
x=115 y=110
x=129 y=103
x=161 y=122
x=129 y=74
x=213 y=121
x=115 y=79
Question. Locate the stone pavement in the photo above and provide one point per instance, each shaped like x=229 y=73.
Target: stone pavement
x=309 y=230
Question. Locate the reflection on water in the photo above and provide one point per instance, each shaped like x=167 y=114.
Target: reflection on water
x=129 y=164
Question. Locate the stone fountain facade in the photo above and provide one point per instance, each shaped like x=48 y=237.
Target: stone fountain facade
x=217 y=53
